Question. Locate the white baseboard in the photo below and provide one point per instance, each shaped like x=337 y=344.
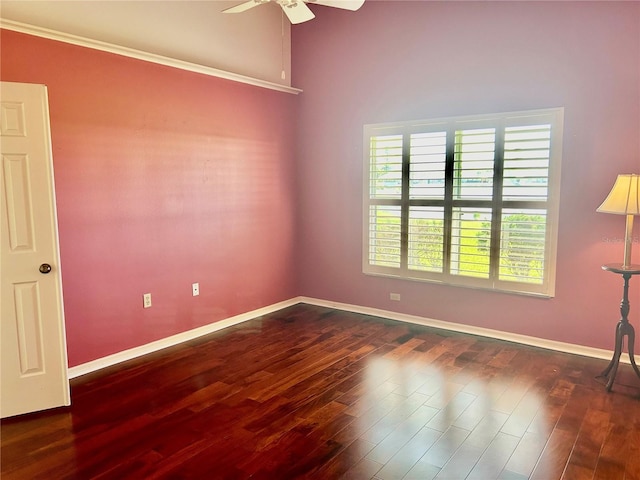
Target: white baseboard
x=470 y=329
x=135 y=352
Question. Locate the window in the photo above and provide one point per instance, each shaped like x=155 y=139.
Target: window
x=469 y=201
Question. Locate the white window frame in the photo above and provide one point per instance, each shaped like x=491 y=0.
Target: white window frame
x=553 y=117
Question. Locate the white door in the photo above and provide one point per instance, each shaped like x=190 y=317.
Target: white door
x=33 y=368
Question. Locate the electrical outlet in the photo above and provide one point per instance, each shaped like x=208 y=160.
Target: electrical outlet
x=195 y=289
x=394 y=296
x=146 y=300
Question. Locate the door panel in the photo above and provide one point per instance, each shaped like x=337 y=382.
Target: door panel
x=18 y=198
x=33 y=372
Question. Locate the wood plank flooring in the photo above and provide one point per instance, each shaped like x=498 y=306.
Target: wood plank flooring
x=315 y=393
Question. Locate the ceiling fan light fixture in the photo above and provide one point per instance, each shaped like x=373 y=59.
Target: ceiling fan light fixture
x=287 y=3
x=297 y=11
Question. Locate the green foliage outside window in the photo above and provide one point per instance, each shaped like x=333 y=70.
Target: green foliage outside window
x=386 y=239
x=522 y=249
x=426 y=239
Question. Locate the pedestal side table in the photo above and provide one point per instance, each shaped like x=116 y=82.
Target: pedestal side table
x=624 y=328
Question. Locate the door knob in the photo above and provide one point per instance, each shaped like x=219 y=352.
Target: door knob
x=45 y=268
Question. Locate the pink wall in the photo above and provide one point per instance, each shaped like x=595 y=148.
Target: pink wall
x=163 y=178
x=410 y=60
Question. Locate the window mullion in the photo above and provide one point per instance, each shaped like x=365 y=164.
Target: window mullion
x=404 y=202
x=448 y=199
x=496 y=209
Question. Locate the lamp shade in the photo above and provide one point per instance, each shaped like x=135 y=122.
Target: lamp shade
x=624 y=197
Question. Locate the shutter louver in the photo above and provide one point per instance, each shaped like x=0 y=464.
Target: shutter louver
x=427 y=167
x=526 y=163
x=522 y=245
x=385 y=174
x=473 y=164
x=384 y=236
x=470 y=241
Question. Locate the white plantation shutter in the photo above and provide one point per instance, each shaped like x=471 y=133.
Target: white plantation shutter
x=427 y=167
x=526 y=163
x=527 y=156
x=384 y=235
x=385 y=183
x=470 y=237
x=474 y=161
x=522 y=245
x=385 y=174
x=466 y=201
x=426 y=239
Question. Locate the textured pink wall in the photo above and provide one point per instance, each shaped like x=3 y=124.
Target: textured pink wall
x=399 y=60
x=164 y=178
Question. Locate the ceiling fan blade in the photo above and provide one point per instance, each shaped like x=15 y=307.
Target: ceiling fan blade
x=298 y=12
x=352 y=5
x=242 y=7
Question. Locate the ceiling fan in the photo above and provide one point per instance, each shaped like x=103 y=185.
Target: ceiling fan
x=297 y=10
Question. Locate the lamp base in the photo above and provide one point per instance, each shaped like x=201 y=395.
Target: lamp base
x=628 y=241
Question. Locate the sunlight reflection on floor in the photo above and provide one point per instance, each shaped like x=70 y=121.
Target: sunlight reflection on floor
x=432 y=421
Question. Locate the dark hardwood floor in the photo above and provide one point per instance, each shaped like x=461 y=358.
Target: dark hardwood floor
x=310 y=392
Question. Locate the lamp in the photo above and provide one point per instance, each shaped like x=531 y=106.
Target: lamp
x=624 y=199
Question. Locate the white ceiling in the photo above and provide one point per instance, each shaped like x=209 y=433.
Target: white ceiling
x=255 y=43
